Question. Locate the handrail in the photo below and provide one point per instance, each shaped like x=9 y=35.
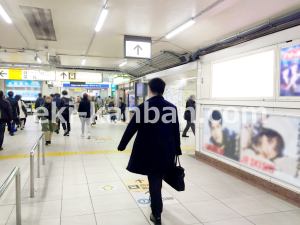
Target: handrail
x=15 y=173
x=37 y=144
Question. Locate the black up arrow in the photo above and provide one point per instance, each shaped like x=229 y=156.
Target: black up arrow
x=138 y=47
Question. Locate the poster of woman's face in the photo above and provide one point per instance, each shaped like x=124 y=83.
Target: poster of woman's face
x=290 y=71
x=270 y=145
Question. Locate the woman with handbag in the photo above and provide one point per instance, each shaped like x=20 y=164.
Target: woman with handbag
x=190 y=115
x=48 y=120
x=23 y=111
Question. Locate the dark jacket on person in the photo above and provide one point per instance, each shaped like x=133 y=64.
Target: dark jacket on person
x=84 y=108
x=5 y=111
x=122 y=106
x=39 y=102
x=190 y=105
x=68 y=104
x=156 y=144
x=57 y=102
x=229 y=145
x=14 y=107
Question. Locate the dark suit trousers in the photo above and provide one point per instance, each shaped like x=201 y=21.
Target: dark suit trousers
x=66 y=125
x=188 y=125
x=155 y=185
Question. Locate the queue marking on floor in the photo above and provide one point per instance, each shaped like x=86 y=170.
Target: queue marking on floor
x=82 y=153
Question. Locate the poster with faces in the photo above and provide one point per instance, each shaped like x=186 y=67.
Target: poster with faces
x=269 y=144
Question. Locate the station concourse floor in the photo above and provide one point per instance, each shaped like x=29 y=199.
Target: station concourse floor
x=86 y=182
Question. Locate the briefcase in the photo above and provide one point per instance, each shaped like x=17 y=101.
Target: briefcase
x=175 y=177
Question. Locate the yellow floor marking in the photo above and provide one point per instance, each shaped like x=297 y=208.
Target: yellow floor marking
x=82 y=153
x=67 y=153
x=98 y=152
x=15 y=156
x=137 y=185
x=52 y=154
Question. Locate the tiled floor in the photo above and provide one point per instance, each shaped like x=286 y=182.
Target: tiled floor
x=95 y=189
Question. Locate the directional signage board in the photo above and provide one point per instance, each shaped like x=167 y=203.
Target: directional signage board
x=137 y=47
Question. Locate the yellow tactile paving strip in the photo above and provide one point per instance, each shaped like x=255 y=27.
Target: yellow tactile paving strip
x=82 y=153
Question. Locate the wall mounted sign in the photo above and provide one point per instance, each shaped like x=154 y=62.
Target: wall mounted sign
x=137 y=47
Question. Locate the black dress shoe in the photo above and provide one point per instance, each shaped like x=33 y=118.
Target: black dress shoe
x=185 y=136
x=156 y=221
x=47 y=143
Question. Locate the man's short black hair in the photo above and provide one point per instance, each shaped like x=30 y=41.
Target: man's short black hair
x=64 y=92
x=215 y=116
x=57 y=95
x=52 y=95
x=40 y=95
x=157 y=86
x=10 y=93
x=121 y=98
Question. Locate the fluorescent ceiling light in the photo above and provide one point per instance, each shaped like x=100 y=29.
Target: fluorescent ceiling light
x=83 y=61
x=101 y=19
x=181 y=28
x=123 y=63
x=4 y=15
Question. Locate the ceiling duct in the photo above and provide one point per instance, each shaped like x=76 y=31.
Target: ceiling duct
x=163 y=61
x=54 y=60
x=273 y=26
x=40 y=21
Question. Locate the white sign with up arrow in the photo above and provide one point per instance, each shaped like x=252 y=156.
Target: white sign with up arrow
x=137 y=47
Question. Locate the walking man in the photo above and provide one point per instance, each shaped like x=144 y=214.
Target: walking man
x=57 y=102
x=38 y=103
x=6 y=116
x=15 y=112
x=122 y=108
x=68 y=105
x=156 y=144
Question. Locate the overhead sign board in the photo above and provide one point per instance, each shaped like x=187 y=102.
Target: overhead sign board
x=86 y=85
x=137 y=47
x=78 y=76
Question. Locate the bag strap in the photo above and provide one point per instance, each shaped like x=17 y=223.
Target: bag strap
x=177 y=159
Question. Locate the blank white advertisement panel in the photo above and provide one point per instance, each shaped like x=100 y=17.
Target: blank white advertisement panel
x=246 y=77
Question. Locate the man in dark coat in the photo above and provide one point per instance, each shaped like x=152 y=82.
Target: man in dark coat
x=122 y=108
x=156 y=144
x=190 y=115
x=39 y=102
x=57 y=102
x=6 y=116
x=68 y=105
x=15 y=111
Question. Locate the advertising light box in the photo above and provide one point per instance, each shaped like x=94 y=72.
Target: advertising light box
x=23 y=84
x=269 y=144
x=290 y=71
x=27 y=95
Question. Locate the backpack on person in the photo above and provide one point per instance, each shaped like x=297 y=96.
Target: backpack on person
x=111 y=104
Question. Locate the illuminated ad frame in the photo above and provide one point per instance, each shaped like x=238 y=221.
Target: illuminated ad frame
x=242 y=55
x=288 y=71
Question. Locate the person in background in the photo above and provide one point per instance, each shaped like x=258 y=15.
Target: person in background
x=22 y=109
x=52 y=96
x=107 y=102
x=57 y=102
x=48 y=115
x=122 y=108
x=111 y=110
x=159 y=142
x=67 y=103
x=6 y=116
x=84 y=112
x=38 y=103
x=190 y=115
x=15 y=111
x=44 y=97
x=100 y=101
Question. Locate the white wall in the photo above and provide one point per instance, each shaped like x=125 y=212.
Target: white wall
x=275 y=105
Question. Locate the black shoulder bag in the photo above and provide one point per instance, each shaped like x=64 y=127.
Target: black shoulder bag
x=175 y=177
